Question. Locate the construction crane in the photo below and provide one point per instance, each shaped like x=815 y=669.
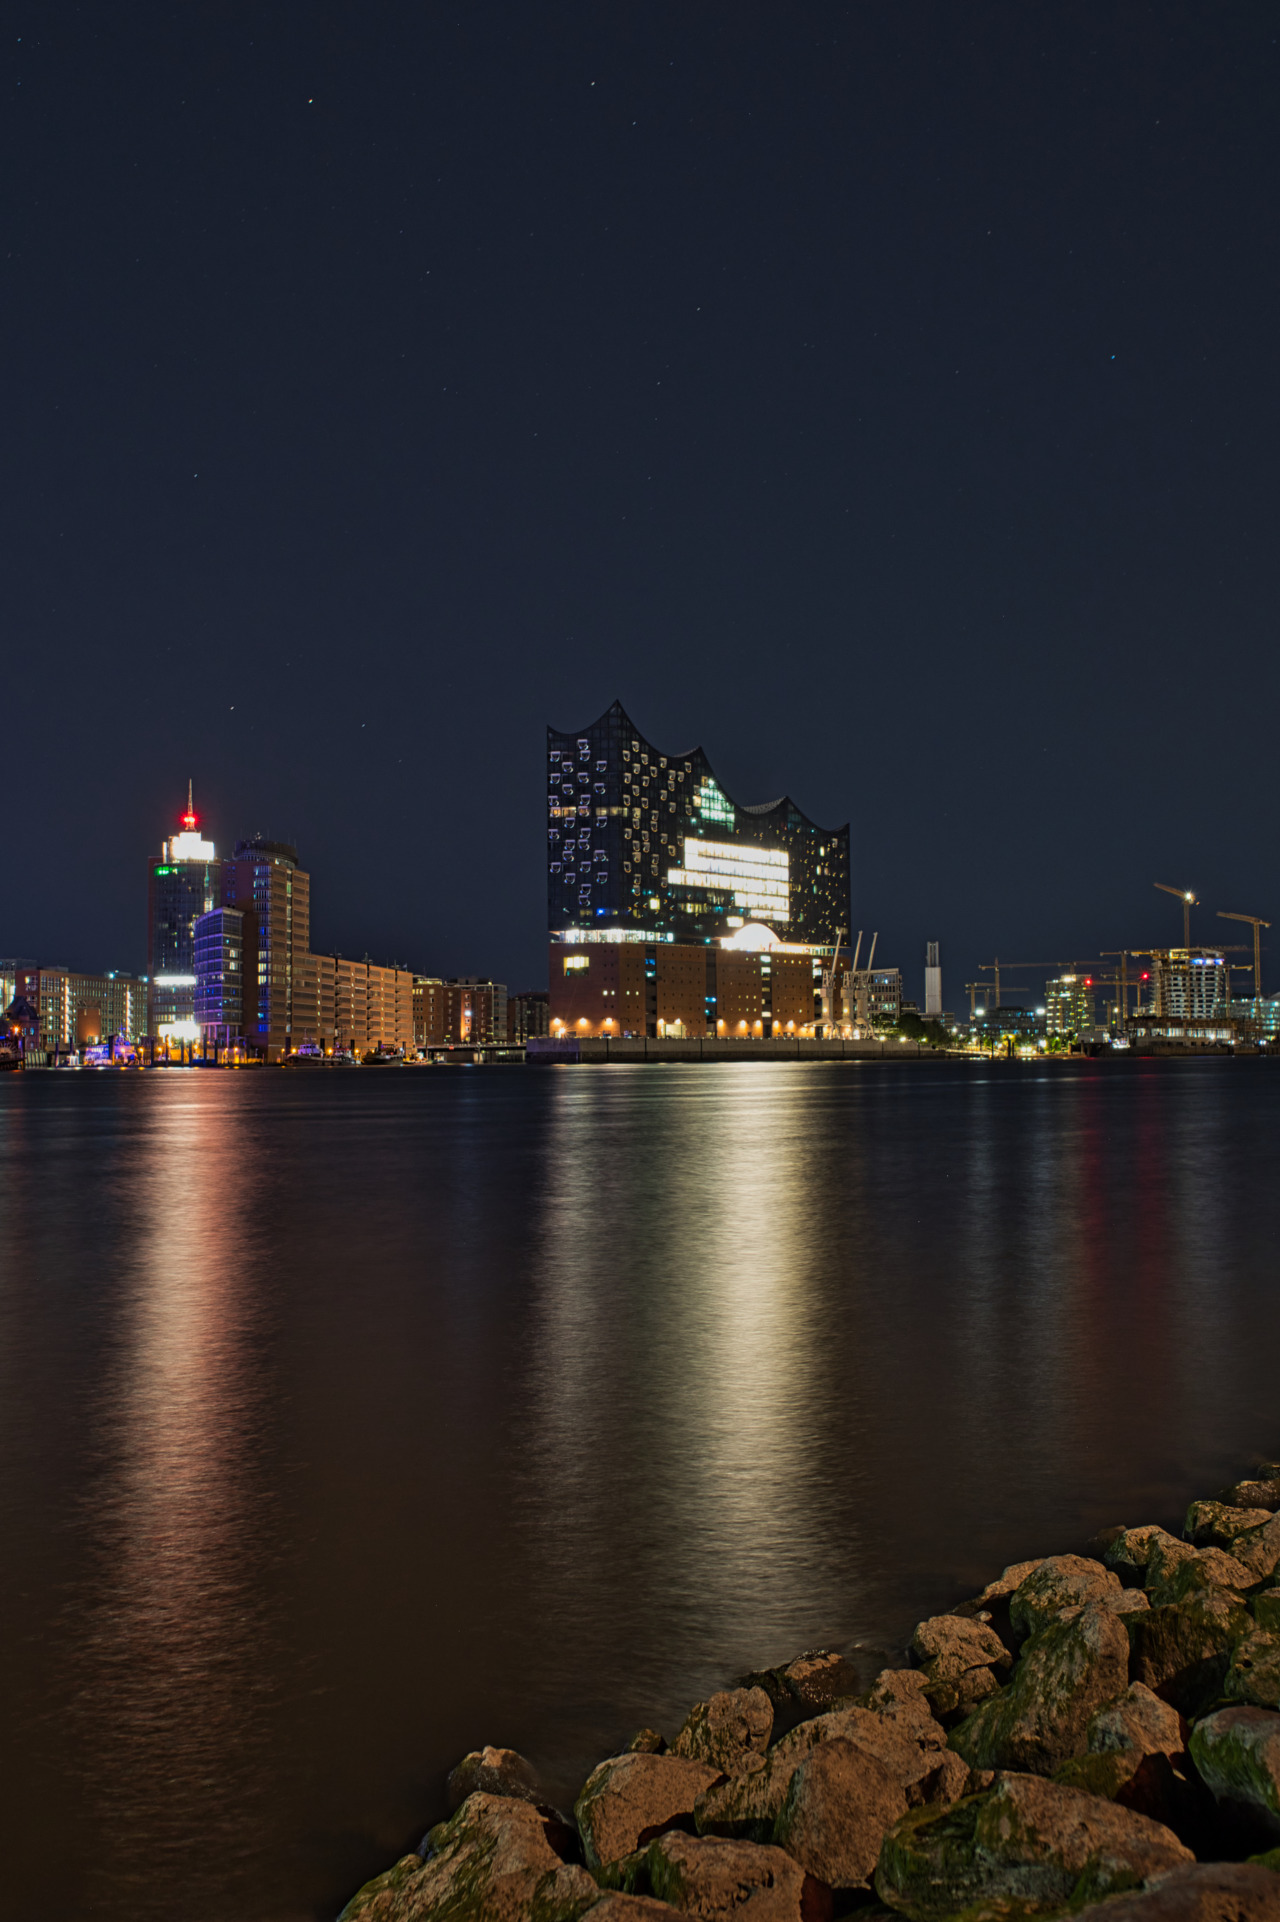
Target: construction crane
x=1189 y=901
x=829 y=982
x=994 y=967
x=1257 y=923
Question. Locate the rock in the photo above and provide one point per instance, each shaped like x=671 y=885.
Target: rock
x=724 y=1730
x=1165 y=1559
x=714 y=1878
x=492 y=1861
x=1266 y=1610
x=495 y=1771
x=748 y=1804
x=1058 y=1582
x=809 y=1684
x=1154 y=1785
x=1065 y=1675
x=630 y=1908
x=1131 y=1550
x=1026 y=1842
x=1259 y=1547
x=1007 y=1581
x=630 y=1799
x=897 y=1696
x=1207 y=1892
x=1216 y=1525
x=1138 y=1720
x=1237 y=1754
x=958 y=1660
x=1256 y=1494
x=839 y=1806
x=1254 y=1675
x=1198 y=1568
x=647 y=1741
x=1183 y=1650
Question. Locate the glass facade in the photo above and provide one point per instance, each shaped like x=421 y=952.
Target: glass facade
x=219 y=968
x=645 y=846
x=183 y=884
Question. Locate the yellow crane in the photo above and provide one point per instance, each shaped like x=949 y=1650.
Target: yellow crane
x=1257 y=923
x=1189 y=901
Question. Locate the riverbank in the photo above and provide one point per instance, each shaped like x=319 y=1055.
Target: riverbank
x=1095 y=1735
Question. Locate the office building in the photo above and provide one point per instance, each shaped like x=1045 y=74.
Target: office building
x=476 y=1011
x=219 y=967
x=528 y=1017
x=430 y=1011
x=265 y=882
x=184 y=883
x=1190 y=984
x=373 y=1006
x=932 y=983
x=749 y=986
x=1069 y=1005
x=644 y=846
x=78 y=1010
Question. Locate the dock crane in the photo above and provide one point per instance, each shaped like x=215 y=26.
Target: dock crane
x=829 y=982
x=994 y=967
x=1189 y=901
x=1257 y=923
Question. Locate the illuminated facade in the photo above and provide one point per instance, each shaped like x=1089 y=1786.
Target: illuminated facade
x=183 y=884
x=264 y=880
x=77 y=1010
x=1069 y=1005
x=1190 y=984
x=645 y=847
x=219 y=968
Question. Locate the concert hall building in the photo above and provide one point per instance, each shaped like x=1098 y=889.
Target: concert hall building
x=674 y=909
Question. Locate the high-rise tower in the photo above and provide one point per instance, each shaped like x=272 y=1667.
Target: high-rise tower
x=184 y=883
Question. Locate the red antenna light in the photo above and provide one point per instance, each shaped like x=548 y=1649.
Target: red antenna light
x=189 y=818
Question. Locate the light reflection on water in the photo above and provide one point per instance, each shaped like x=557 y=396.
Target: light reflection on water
x=348 y=1421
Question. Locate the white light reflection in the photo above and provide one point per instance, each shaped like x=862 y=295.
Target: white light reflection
x=180 y=1648
x=678 y=1376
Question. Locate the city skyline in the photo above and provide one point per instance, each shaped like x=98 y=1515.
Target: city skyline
x=842 y=399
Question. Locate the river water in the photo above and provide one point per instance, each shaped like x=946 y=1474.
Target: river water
x=351 y=1420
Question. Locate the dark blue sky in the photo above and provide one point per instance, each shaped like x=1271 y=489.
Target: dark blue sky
x=882 y=396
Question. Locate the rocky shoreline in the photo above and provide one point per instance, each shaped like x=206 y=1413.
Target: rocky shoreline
x=1093 y=1735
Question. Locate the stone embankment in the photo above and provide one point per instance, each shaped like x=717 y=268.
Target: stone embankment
x=1095 y=1736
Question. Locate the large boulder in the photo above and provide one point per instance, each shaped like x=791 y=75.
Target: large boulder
x=1183 y=1650
x=1259 y=1548
x=809 y=1684
x=495 y=1771
x=1130 y=1551
x=958 y=1659
x=1207 y=1892
x=726 y=1729
x=1065 y=1675
x=1140 y=1721
x=1197 y=1568
x=1237 y=1754
x=1254 y=1675
x=749 y=1802
x=1026 y=1843
x=709 y=1877
x=632 y=1908
x=898 y=1697
x=630 y=1799
x=840 y=1803
x=1058 y=1582
x=1005 y=1584
x=497 y=1859
x=1266 y=1610
x=1216 y=1524
x=1262 y=1491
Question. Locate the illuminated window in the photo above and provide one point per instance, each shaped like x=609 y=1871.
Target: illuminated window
x=575 y=963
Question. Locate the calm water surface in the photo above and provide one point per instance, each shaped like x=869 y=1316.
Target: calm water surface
x=348 y=1421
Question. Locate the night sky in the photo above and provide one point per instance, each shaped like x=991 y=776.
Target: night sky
x=882 y=396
